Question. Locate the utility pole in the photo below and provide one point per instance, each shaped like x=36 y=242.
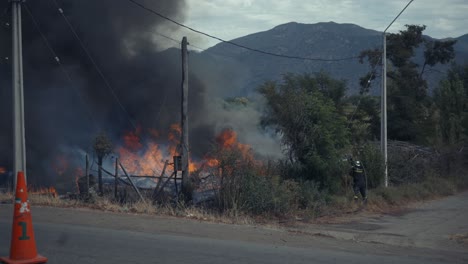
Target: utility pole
x=383 y=99
x=19 y=142
x=184 y=143
x=383 y=103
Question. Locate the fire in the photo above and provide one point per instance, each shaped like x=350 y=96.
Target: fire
x=142 y=155
x=3 y=170
x=146 y=158
x=60 y=165
x=46 y=191
x=226 y=140
x=143 y=161
x=192 y=166
x=132 y=140
x=175 y=133
x=212 y=163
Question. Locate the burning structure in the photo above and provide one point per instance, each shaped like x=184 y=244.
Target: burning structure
x=67 y=106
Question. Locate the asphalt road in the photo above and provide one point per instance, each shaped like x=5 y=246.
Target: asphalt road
x=85 y=236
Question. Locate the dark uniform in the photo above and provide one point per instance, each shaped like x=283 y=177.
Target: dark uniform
x=359 y=180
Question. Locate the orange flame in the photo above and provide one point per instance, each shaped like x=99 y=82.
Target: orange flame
x=147 y=158
x=3 y=170
x=46 y=191
x=175 y=133
x=132 y=140
x=192 y=166
x=60 y=165
x=227 y=140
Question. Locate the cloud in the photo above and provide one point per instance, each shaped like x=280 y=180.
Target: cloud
x=230 y=19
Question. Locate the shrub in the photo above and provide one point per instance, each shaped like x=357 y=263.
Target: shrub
x=374 y=165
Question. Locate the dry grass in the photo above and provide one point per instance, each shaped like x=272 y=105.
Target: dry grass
x=381 y=200
x=6 y=197
x=50 y=200
x=109 y=205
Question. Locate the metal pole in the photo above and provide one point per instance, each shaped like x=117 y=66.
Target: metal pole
x=19 y=145
x=383 y=124
x=383 y=119
x=184 y=122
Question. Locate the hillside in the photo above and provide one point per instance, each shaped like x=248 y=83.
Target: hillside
x=235 y=71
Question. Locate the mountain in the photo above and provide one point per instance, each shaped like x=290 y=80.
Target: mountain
x=235 y=71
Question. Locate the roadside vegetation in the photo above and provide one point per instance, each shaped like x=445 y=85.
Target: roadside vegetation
x=321 y=130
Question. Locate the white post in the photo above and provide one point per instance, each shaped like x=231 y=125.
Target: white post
x=19 y=144
x=383 y=115
x=383 y=120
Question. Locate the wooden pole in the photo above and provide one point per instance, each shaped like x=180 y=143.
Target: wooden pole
x=87 y=174
x=175 y=184
x=160 y=180
x=116 y=180
x=160 y=189
x=132 y=183
x=184 y=122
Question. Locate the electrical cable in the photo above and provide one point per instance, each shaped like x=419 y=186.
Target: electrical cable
x=401 y=12
x=167 y=37
x=67 y=74
x=62 y=67
x=233 y=43
x=90 y=57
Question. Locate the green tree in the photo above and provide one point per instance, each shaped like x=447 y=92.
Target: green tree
x=363 y=118
x=451 y=101
x=410 y=109
x=102 y=147
x=305 y=110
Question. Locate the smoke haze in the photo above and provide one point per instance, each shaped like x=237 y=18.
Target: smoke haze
x=63 y=116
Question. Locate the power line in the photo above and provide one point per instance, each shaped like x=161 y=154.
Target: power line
x=198 y=48
x=106 y=82
x=367 y=87
x=57 y=59
x=233 y=43
x=178 y=41
x=97 y=67
x=167 y=37
x=401 y=12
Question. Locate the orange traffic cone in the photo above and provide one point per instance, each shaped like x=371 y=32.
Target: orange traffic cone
x=23 y=245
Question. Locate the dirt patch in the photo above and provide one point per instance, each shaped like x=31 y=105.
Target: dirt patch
x=460 y=238
x=359 y=226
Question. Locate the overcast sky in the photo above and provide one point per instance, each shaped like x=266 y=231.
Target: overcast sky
x=230 y=19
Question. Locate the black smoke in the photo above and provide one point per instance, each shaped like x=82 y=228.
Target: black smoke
x=62 y=114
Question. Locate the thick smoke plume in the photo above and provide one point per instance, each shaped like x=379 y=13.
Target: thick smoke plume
x=63 y=115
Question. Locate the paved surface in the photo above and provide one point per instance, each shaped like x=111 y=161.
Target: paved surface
x=84 y=236
x=430 y=225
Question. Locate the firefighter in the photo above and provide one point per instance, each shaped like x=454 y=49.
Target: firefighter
x=359 y=181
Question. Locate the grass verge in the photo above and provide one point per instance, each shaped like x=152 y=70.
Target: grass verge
x=381 y=200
